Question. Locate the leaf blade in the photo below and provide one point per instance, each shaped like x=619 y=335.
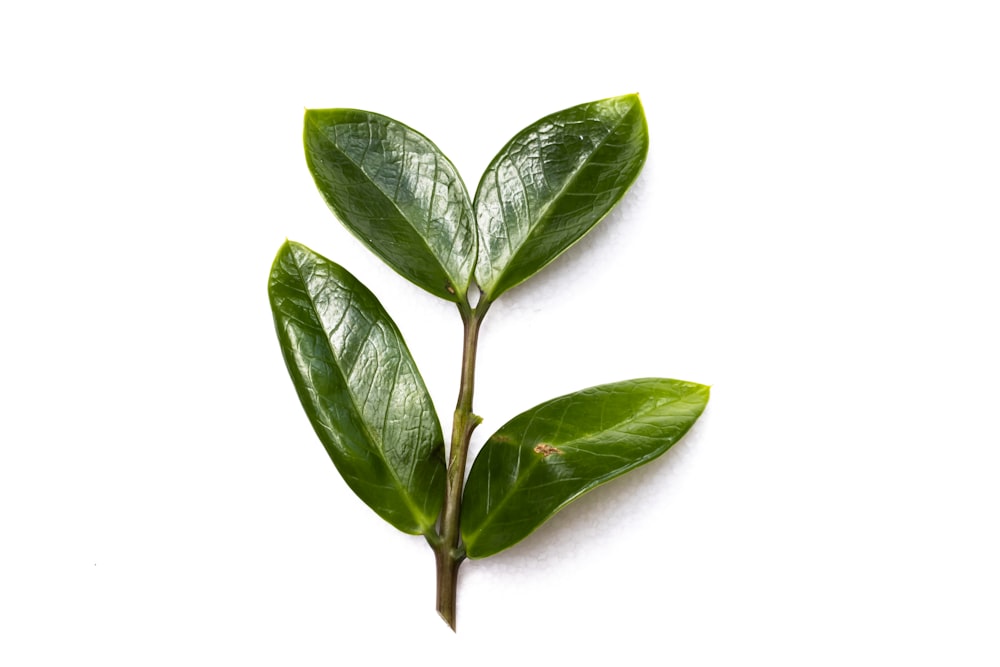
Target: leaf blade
x=548 y=456
x=552 y=183
x=397 y=193
x=359 y=388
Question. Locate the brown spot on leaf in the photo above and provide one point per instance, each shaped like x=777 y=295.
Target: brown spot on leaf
x=500 y=438
x=451 y=290
x=546 y=450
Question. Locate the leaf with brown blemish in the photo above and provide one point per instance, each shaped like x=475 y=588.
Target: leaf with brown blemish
x=581 y=441
x=546 y=450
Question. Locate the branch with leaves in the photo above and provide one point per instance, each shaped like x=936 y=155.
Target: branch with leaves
x=359 y=386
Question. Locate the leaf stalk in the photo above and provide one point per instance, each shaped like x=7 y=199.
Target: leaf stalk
x=449 y=553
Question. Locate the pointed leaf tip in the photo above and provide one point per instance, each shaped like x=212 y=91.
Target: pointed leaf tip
x=543 y=459
x=552 y=183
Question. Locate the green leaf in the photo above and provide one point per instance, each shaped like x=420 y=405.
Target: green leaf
x=397 y=193
x=546 y=457
x=552 y=183
x=359 y=387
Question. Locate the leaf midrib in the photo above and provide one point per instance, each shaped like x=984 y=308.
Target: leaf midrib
x=377 y=441
x=536 y=460
x=543 y=215
x=454 y=282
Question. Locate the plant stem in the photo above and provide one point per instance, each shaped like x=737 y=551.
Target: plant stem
x=448 y=552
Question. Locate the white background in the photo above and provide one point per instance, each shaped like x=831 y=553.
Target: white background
x=814 y=235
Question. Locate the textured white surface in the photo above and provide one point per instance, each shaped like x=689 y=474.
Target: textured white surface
x=813 y=235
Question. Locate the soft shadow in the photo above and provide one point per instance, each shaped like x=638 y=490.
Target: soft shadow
x=621 y=220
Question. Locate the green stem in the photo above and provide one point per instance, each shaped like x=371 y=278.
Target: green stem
x=448 y=552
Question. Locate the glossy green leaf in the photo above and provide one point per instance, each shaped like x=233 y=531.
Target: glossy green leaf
x=359 y=387
x=546 y=457
x=397 y=193
x=552 y=183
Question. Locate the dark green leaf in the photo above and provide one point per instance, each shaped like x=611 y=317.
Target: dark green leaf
x=552 y=183
x=397 y=193
x=359 y=387
x=546 y=457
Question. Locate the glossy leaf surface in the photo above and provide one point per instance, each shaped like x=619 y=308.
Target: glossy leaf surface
x=552 y=183
x=397 y=193
x=360 y=388
x=546 y=457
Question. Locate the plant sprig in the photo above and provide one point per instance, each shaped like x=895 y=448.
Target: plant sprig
x=397 y=193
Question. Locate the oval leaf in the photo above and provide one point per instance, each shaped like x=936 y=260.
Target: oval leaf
x=550 y=455
x=397 y=193
x=359 y=387
x=552 y=183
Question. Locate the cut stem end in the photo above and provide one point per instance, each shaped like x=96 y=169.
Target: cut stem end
x=447 y=586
